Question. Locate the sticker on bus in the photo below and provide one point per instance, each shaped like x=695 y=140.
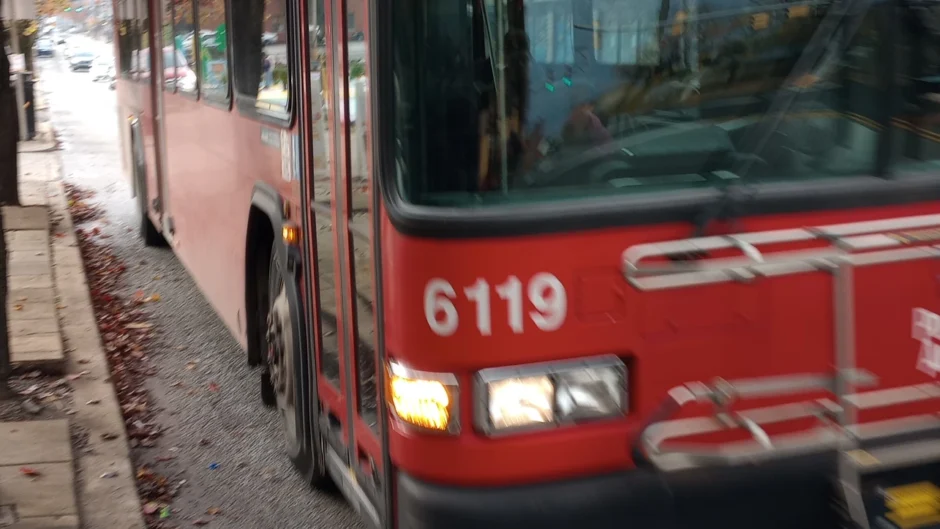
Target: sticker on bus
x=926 y=330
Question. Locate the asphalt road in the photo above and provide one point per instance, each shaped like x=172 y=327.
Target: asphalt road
x=254 y=484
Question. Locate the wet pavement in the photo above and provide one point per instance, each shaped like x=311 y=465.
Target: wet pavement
x=225 y=444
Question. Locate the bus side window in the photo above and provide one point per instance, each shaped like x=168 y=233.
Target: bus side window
x=259 y=35
x=182 y=52
x=126 y=31
x=169 y=69
x=213 y=51
x=143 y=27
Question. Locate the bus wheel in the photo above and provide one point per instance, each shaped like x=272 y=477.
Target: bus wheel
x=281 y=374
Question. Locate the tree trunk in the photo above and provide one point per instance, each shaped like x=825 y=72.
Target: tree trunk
x=9 y=194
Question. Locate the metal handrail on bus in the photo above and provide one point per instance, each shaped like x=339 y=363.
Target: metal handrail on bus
x=843 y=247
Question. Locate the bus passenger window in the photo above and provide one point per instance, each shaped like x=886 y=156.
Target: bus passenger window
x=126 y=31
x=169 y=69
x=213 y=51
x=143 y=53
x=260 y=39
x=185 y=50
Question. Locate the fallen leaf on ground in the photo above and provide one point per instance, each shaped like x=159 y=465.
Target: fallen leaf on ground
x=24 y=298
x=200 y=521
x=109 y=436
x=31 y=407
x=139 y=326
x=153 y=297
x=213 y=386
x=191 y=364
x=17 y=307
x=29 y=471
x=151 y=508
x=213 y=511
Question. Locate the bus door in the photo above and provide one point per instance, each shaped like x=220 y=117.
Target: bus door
x=152 y=65
x=342 y=206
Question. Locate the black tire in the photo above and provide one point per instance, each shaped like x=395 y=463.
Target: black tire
x=280 y=320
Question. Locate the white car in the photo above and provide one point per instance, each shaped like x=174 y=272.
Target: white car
x=102 y=69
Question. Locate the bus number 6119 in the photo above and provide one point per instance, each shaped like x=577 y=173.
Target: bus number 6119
x=545 y=292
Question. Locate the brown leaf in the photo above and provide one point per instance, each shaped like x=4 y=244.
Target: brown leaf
x=17 y=307
x=191 y=364
x=29 y=471
x=138 y=326
x=213 y=511
x=200 y=521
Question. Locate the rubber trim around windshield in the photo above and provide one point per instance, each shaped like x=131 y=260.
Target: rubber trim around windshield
x=680 y=206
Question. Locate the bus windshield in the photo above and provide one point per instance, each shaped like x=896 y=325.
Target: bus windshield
x=503 y=101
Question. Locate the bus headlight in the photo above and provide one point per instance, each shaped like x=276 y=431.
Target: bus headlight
x=547 y=395
x=422 y=399
x=519 y=402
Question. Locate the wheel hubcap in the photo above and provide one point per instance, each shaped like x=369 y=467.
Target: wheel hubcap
x=280 y=360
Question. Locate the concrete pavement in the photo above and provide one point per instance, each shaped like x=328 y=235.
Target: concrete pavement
x=44 y=483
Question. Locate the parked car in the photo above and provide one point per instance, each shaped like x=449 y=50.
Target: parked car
x=81 y=60
x=45 y=48
x=102 y=69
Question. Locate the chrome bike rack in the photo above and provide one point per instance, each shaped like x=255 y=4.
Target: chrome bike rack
x=839 y=250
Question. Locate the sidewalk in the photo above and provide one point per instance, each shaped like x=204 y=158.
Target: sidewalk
x=46 y=481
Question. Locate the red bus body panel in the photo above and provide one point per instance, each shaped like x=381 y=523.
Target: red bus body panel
x=768 y=327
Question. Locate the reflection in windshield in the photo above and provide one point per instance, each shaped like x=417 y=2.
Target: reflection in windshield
x=515 y=99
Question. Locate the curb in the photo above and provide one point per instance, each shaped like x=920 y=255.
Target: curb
x=105 y=481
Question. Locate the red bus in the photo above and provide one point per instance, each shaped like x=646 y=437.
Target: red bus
x=556 y=263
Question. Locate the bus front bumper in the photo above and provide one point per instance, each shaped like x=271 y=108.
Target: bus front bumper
x=795 y=494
